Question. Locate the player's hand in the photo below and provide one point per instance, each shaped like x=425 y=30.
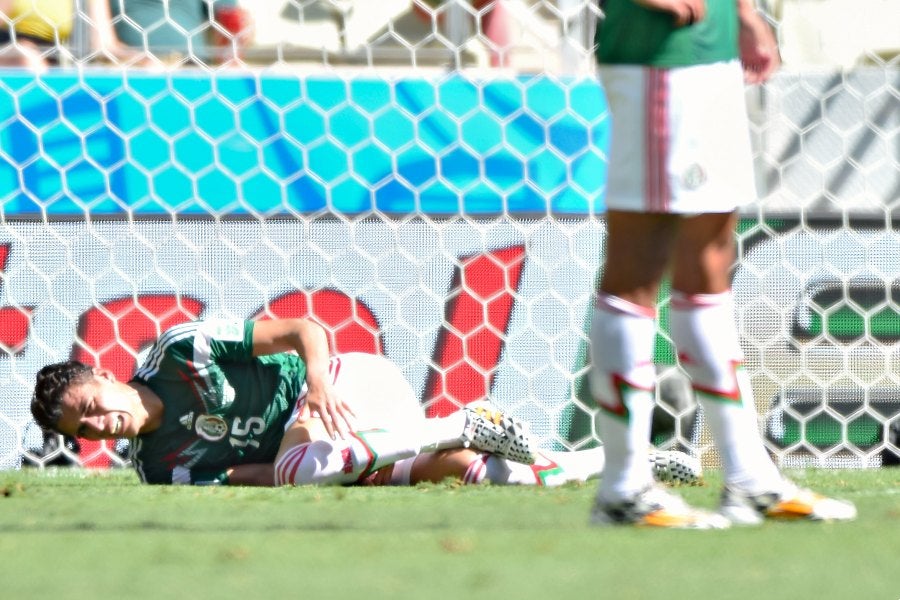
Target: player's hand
x=686 y=12
x=325 y=403
x=758 y=48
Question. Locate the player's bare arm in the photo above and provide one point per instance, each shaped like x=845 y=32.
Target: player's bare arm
x=686 y=12
x=262 y=474
x=309 y=340
x=758 y=47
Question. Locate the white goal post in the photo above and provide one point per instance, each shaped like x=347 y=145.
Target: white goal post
x=372 y=168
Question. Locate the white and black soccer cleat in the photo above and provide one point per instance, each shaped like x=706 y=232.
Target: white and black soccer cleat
x=490 y=430
x=675 y=468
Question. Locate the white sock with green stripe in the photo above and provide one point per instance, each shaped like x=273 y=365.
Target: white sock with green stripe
x=622 y=380
x=705 y=335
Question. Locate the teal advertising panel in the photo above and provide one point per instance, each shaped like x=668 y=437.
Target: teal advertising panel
x=238 y=144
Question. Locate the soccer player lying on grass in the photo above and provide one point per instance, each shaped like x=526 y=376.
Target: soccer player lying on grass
x=263 y=403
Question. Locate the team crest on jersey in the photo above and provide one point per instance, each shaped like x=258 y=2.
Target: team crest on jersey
x=211 y=427
x=693 y=177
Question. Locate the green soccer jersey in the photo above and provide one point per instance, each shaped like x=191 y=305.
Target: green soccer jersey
x=222 y=405
x=635 y=35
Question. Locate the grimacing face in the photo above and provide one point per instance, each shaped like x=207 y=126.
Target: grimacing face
x=101 y=408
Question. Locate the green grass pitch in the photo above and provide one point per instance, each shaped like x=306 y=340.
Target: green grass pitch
x=73 y=534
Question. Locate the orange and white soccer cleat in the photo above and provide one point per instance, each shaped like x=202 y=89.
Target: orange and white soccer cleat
x=792 y=502
x=655 y=507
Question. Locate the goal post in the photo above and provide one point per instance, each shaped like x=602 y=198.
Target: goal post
x=447 y=214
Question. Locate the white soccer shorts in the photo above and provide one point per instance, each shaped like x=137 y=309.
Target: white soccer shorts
x=376 y=390
x=680 y=139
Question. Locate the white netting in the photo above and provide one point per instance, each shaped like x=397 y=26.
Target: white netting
x=427 y=178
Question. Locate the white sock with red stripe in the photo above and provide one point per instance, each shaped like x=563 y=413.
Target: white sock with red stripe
x=324 y=462
x=550 y=469
x=402 y=471
x=704 y=332
x=622 y=380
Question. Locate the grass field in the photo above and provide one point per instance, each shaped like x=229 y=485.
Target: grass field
x=73 y=534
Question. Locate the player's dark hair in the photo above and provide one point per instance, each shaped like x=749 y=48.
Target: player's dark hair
x=52 y=382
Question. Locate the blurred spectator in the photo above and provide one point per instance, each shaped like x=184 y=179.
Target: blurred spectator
x=493 y=24
x=35 y=32
x=177 y=30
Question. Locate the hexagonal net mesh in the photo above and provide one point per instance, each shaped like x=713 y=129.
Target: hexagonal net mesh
x=426 y=178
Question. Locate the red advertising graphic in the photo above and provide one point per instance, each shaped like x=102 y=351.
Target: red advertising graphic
x=351 y=325
x=14 y=320
x=479 y=305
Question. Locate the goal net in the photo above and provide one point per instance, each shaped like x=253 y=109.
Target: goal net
x=427 y=180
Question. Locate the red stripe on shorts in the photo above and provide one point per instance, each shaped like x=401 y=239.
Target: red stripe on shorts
x=334 y=368
x=656 y=143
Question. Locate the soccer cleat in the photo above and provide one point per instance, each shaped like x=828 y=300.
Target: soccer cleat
x=490 y=430
x=791 y=503
x=655 y=507
x=673 y=467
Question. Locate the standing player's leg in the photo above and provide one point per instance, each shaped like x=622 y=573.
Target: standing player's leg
x=704 y=332
x=622 y=377
x=622 y=335
x=702 y=315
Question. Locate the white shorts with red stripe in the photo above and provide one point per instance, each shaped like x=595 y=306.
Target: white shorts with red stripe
x=680 y=139
x=375 y=389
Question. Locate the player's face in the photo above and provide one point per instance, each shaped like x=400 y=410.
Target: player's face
x=101 y=408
